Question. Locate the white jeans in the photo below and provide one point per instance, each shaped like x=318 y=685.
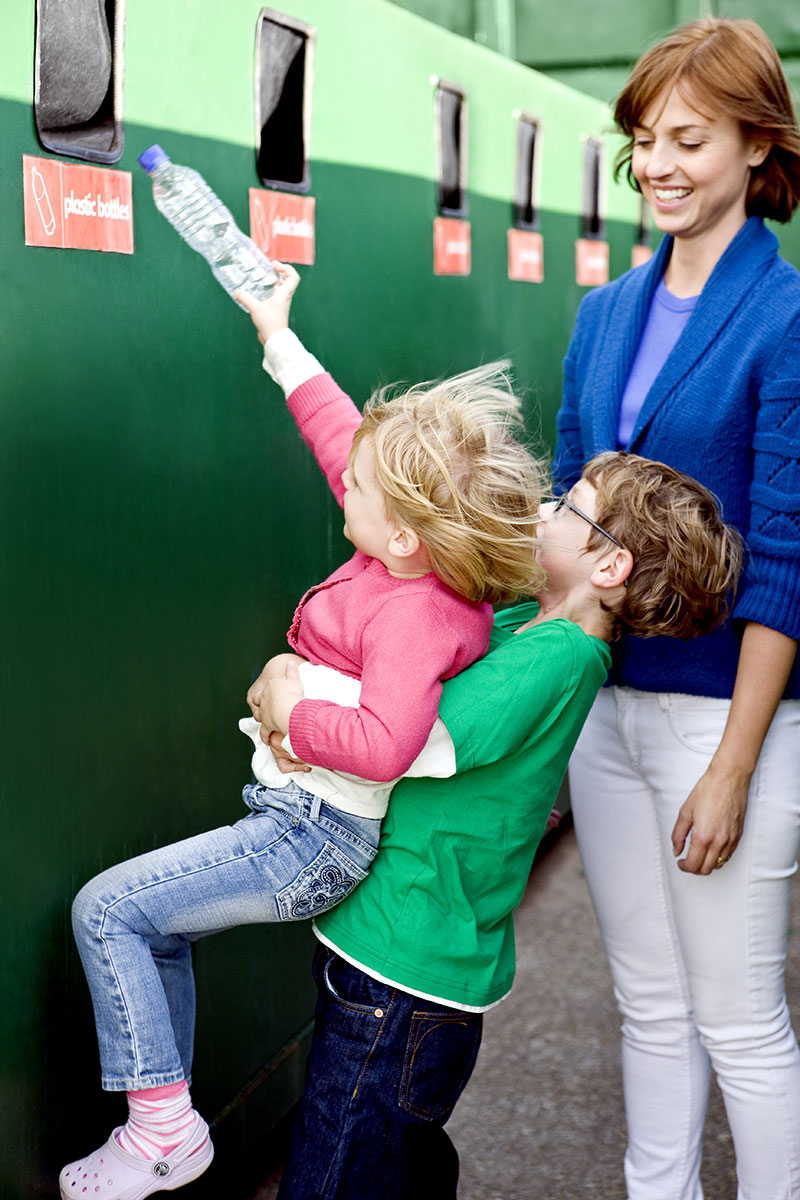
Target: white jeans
x=697 y=961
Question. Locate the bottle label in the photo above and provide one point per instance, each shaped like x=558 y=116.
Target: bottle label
x=283 y=225
x=525 y=256
x=591 y=263
x=77 y=208
x=452 y=246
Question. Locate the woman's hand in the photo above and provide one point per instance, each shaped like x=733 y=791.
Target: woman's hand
x=714 y=811
x=714 y=814
x=272 y=314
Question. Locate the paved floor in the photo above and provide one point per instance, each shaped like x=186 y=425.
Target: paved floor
x=542 y=1118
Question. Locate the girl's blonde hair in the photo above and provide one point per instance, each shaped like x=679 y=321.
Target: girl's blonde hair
x=451 y=469
x=730 y=66
x=686 y=560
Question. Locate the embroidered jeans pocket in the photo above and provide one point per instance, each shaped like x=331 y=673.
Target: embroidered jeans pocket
x=440 y=1056
x=322 y=884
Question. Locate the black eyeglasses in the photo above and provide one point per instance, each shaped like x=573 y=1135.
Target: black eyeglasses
x=565 y=502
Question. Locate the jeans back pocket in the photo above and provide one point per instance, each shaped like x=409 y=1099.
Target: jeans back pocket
x=322 y=884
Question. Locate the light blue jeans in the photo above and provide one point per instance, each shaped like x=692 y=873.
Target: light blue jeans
x=292 y=857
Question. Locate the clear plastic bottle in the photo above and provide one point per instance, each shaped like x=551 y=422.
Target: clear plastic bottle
x=204 y=222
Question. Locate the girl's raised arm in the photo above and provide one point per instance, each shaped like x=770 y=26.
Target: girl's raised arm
x=326 y=417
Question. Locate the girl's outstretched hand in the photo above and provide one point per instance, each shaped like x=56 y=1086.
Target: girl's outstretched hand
x=272 y=314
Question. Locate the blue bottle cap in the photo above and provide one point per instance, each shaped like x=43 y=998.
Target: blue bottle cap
x=152 y=158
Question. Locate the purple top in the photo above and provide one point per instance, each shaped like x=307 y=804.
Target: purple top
x=665 y=321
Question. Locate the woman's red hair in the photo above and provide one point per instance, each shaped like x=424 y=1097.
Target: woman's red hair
x=727 y=66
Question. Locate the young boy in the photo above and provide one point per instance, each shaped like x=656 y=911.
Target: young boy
x=410 y=961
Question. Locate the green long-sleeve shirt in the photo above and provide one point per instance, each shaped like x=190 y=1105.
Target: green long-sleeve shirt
x=434 y=914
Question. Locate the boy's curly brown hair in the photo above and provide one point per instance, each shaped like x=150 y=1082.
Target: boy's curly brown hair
x=686 y=560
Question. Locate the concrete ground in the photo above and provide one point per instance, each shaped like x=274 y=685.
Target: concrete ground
x=542 y=1117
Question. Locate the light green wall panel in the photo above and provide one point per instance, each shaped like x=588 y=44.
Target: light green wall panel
x=390 y=89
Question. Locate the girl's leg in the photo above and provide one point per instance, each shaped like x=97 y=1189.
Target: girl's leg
x=732 y=926
x=135 y=923
x=626 y=863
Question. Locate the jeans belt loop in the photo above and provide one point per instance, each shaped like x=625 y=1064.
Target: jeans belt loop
x=316 y=805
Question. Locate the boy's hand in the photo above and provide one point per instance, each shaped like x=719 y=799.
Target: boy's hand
x=283 y=758
x=272 y=314
x=276 y=668
x=277 y=701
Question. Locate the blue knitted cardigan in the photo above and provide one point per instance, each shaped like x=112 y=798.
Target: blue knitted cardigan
x=725 y=408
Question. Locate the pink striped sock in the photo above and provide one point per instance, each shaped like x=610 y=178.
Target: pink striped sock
x=158 y=1120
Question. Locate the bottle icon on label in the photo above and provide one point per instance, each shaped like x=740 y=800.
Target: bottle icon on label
x=260 y=228
x=43 y=201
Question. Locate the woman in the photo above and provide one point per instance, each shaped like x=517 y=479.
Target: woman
x=694 y=359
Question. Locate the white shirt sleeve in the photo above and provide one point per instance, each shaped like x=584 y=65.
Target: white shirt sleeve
x=436 y=759
x=288 y=362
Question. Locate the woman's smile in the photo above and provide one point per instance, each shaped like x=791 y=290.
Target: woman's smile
x=693 y=167
x=670 y=197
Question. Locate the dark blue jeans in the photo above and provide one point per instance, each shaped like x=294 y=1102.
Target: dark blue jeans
x=383 y=1076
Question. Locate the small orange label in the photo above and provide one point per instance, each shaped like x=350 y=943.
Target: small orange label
x=283 y=225
x=452 y=246
x=640 y=255
x=76 y=208
x=591 y=263
x=525 y=256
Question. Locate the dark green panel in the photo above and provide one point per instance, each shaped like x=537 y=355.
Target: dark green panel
x=586 y=32
x=593 y=47
x=160 y=518
x=776 y=17
x=456 y=15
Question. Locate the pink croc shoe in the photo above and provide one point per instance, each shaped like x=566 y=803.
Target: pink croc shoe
x=113 y=1174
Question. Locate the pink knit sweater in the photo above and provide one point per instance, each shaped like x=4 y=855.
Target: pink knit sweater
x=400 y=637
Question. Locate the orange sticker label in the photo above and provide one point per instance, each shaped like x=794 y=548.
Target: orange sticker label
x=591 y=263
x=640 y=255
x=525 y=256
x=452 y=246
x=76 y=208
x=283 y=225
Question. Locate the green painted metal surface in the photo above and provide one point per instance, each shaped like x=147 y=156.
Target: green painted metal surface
x=586 y=31
x=159 y=516
x=373 y=90
x=591 y=47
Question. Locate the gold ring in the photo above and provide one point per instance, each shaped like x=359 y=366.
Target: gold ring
x=721 y=862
